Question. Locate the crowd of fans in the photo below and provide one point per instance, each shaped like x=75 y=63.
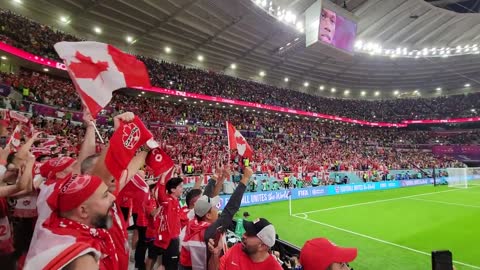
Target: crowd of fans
x=72 y=198
x=39 y=39
x=281 y=143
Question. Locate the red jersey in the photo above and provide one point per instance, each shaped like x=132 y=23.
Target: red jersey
x=169 y=218
x=6 y=240
x=118 y=231
x=236 y=259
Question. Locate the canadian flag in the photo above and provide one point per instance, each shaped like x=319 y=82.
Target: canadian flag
x=16 y=137
x=98 y=69
x=237 y=142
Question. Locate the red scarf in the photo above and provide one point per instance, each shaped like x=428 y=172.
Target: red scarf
x=100 y=239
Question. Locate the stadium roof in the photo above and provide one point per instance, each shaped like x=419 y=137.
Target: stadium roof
x=238 y=31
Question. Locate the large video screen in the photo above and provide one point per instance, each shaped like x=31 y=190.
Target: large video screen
x=337 y=30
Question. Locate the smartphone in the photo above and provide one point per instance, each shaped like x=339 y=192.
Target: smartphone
x=3 y=141
x=218 y=234
x=442 y=260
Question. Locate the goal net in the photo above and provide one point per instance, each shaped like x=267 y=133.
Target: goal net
x=461 y=177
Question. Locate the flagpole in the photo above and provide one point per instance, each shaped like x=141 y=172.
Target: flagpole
x=228 y=141
x=98 y=133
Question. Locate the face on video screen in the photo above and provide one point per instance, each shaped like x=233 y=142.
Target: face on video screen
x=327 y=25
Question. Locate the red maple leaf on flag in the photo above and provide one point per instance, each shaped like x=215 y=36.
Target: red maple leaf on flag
x=240 y=140
x=86 y=68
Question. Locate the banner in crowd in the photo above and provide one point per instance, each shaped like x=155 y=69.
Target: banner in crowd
x=255 y=198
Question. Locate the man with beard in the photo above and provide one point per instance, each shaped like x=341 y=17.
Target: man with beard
x=252 y=253
x=77 y=228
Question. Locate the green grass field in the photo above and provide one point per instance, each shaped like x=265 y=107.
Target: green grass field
x=394 y=229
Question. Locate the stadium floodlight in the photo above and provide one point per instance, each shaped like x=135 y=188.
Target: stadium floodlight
x=359 y=44
x=168 y=49
x=472 y=110
x=285 y=79
x=333 y=90
x=321 y=87
x=97 y=30
x=346 y=92
x=233 y=66
x=363 y=93
x=396 y=92
x=139 y=95
x=143 y=92
x=438 y=89
x=64 y=19
x=4 y=57
x=299 y=25
x=377 y=93
x=129 y=39
x=200 y=58
x=467 y=85
x=17 y=1
x=306 y=84
x=262 y=73
x=45 y=69
x=171 y=83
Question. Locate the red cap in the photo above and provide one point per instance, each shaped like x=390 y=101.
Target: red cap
x=73 y=191
x=320 y=253
x=55 y=165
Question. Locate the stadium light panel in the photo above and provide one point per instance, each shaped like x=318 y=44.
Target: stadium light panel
x=63 y=19
x=438 y=89
x=363 y=93
x=129 y=39
x=45 y=69
x=139 y=95
x=396 y=92
x=306 y=84
x=467 y=85
x=200 y=58
x=4 y=57
x=347 y=92
x=333 y=90
x=17 y=1
x=97 y=30
x=168 y=49
x=262 y=73
x=377 y=93
x=322 y=87
x=233 y=66
x=285 y=79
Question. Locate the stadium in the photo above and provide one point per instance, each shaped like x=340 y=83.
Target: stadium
x=239 y=134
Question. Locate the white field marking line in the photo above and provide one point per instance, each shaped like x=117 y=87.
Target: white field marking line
x=377 y=201
x=449 y=203
x=379 y=240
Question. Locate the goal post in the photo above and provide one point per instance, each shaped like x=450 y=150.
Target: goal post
x=455 y=177
x=461 y=177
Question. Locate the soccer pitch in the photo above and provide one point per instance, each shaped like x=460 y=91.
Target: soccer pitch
x=392 y=229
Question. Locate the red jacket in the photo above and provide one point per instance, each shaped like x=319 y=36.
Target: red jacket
x=169 y=218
